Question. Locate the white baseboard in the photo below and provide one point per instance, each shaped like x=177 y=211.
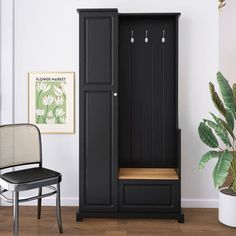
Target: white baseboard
x=65 y=201
x=73 y=201
x=199 y=203
x=50 y=201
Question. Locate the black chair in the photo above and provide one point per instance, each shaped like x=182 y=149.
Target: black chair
x=20 y=145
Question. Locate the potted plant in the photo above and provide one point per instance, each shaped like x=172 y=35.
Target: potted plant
x=218 y=134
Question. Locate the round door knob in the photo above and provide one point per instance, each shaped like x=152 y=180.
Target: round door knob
x=115 y=94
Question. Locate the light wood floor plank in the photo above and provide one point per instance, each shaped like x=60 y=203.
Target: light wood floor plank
x=201 y=222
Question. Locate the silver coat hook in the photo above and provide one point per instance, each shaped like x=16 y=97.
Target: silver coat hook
x=163 y=40
x=146 y=37
x=132 y=36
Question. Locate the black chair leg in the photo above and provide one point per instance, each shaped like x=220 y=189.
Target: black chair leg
x=58 y=208
x=16 y=213
x=39 y=203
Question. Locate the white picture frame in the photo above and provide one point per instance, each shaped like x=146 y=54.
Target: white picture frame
x=51 y=101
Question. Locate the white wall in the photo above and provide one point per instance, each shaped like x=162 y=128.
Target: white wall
x=46 y=39
x=227 y=41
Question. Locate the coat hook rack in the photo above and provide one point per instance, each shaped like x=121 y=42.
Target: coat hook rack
x=163 y=40
x=146 y=37
x=132 y=36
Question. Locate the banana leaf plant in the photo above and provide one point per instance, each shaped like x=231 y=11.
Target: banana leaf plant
x=218 y=133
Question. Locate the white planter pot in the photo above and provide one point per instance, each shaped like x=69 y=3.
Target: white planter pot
x=227 y=209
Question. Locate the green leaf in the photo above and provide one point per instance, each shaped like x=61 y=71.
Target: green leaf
x=227 y=127
x=221 y=169
x=207 y=136
x=220 y=131
x=222 y=123
x=206 y=157
x=216 y=100
x=229 y=119
x=220 y=106
x=226 y=93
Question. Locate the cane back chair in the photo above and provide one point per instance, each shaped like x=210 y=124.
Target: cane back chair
x=21 y=148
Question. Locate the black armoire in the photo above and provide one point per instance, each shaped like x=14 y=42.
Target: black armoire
x=130 y=162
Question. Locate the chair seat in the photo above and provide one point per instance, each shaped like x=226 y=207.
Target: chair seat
x=29 y=175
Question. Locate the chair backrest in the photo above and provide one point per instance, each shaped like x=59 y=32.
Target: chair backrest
x=20 y=144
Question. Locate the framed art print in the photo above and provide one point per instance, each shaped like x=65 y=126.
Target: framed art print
x=51 y=101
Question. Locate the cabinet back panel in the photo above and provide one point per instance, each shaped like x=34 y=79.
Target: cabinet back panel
x=147 y=92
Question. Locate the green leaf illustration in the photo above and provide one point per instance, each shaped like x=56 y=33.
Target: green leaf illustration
x=47 y=100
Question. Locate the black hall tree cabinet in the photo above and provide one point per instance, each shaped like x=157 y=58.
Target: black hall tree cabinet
x=130 y=163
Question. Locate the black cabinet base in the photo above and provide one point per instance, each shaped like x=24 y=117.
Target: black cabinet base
x=178 y=216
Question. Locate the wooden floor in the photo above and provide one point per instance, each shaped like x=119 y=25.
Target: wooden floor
x=197 y=222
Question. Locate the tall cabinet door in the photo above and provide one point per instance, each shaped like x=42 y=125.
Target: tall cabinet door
x=98 y=110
